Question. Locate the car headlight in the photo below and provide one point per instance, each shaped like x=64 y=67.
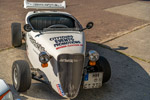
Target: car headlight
x=93 y=55
x=44 y=57
x=7 y=96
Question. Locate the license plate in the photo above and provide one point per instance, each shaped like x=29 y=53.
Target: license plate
x=93 y=80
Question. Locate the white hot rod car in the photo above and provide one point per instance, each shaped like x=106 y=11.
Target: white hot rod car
x=56 y=49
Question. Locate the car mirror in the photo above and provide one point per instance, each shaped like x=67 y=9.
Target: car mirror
x=27 y=27
x=88 y=26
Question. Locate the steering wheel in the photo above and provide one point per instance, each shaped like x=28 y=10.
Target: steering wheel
x=58 y=26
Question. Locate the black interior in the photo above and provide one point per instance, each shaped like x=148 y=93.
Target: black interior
x=39 y=22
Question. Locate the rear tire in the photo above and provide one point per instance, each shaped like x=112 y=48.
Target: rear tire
x=21 y=75
x=16 y=34
x=104 y=66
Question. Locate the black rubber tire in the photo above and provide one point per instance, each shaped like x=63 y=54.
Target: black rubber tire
x=104 y=66
x=23 y=77
x=16 y=34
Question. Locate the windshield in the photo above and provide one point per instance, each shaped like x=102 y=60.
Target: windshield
x=53 y=22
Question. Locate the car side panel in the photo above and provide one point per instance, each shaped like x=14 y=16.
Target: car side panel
x=33 y=55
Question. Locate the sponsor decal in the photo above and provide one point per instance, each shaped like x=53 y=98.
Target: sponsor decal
x=70 y=60
x=65 y=41
x=60 y=90
x=37 y=45
x=35 y=52
x=47 y=5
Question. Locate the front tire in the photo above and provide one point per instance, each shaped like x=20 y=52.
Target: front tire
x=21 y=75
x=16 y=34
x=104 y=66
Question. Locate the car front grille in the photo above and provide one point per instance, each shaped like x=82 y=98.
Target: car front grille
x=70 y=67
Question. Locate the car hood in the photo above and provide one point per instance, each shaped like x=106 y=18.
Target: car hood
x=56 y=43
x=68 y=50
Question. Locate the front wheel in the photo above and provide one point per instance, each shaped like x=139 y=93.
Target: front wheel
x=21 y=75
x=104 y=66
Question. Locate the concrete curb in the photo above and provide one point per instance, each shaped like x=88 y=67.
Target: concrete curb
x=6 y=48
x=125 y=33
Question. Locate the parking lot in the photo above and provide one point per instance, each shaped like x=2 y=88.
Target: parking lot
x=120 y=33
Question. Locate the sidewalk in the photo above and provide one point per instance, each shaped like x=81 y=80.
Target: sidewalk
x=135 y=44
